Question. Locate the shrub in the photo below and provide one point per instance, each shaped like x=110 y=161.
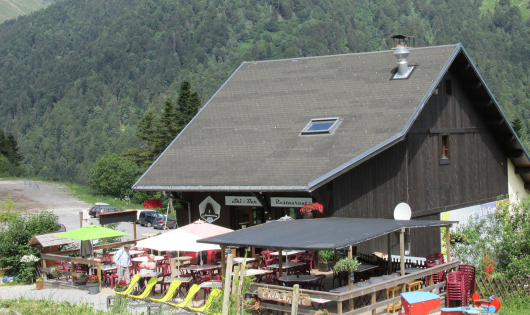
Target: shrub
x=14 y=240
x=114 y=176
x=326 y=255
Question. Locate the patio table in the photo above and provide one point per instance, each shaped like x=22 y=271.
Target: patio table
x=287 y=252
x=413 y=270
x=298 y=278
x=363 y=268
x=238 y=260
x=131 y=252
x=199 y=267
x=286 y=265
x=144 y=258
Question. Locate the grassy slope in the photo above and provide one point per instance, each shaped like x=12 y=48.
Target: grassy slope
x=522 y=4
x=12 y=8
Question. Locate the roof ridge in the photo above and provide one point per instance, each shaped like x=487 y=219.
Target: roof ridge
x=348 y=54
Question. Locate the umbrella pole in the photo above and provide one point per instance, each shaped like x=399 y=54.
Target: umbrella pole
x=178 y=261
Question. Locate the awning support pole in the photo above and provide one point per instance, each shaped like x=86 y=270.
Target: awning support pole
x=350 y=271
x=402 y=253
x=228 y=281
x=389 y=253
x=280 y=261
x=223 y=261
x=448 y=242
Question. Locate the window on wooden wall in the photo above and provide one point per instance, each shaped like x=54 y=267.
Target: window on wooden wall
x=445 y=147
x=448 y=87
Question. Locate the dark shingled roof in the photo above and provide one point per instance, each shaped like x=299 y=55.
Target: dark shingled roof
x=247 y=137
x=333 y=233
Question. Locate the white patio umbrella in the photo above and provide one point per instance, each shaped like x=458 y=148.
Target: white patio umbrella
x=177 y=240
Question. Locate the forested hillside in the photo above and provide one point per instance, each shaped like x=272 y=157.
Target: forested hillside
x=76 y=77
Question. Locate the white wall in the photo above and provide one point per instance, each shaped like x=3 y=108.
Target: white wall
x=515 y=184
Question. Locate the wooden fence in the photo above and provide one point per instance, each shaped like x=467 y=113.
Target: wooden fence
x=503 y=289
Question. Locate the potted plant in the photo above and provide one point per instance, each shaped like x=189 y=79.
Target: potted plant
x=39 y=284
x=82 y=278
x=251 y=304
x=121 y=286
x=323 y=312
x=346 y=264
x=29 y=259
x=307 y=209
x=93 y=284
x=326 y=257
x=54 y=272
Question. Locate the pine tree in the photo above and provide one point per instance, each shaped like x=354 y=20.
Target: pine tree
x=517 y=125
x=188 y=105
x=166 y=128
x=13 y=155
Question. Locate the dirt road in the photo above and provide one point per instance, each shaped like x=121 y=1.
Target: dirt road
x=35 y=196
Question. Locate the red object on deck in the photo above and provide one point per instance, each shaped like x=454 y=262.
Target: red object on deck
x=419 y=303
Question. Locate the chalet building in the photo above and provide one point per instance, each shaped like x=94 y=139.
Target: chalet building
x=355 y=132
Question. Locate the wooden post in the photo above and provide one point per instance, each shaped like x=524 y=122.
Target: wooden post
x=223 y=261
x=280 y=261
x=99 y=274
x=448 y=243
x=240 y=285
x=350 y=284
x=228 y=280
x=134 y=224
x=389 y=253
x=296 y=295
x=236 y=276
x=374 y=300
x=80 y=219
x=103 y=240
x=339 y=307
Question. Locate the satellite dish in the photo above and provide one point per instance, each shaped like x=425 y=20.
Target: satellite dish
x=402 y=212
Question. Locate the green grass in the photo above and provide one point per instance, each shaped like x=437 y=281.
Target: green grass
x=45 y=307
x=91 y=196
x=12 y=8
x=515 y=306
x=490 y=5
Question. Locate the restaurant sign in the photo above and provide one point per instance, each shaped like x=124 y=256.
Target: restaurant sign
x=242 y=201
x=283 y=296
x=285 y=202
x=209 y=210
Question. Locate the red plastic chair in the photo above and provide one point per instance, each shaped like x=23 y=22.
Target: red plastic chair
x=310 y=259
x=470 y=283
x=62 y=266
x=456 y=290
x=163 y=283
x=110 y=277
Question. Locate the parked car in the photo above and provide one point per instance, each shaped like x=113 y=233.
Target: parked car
x=147 y=217
x=171 y=223
x=95 y=209
x=107 y=210
x=138 y=211
x=60 y=227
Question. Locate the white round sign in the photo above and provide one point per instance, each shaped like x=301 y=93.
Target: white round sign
x=402 y=212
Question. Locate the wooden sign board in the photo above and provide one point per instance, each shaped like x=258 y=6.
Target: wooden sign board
x=283 y=296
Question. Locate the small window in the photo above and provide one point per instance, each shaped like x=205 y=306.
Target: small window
x=445 y=149
x=321 y=126
x=448 y=87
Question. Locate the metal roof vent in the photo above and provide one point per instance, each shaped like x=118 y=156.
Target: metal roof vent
x=401 y=52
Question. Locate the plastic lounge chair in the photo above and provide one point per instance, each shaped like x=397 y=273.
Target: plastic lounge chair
x=131 y=286
x=208 y=303
x=189 y=297
x=148 y=288
x=170 y=293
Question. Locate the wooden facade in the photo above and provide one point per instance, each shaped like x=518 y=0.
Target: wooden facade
x=413 y=170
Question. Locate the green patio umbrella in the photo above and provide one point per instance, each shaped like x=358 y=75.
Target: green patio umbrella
x=91 y=232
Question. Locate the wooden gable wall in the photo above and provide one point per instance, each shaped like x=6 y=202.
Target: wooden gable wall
x=412 y=171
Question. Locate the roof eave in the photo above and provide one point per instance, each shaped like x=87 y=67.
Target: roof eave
x=222 y=188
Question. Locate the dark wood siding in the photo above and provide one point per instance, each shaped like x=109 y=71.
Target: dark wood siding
x=412 y=171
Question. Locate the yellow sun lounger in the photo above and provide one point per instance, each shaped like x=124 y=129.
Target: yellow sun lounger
x=129 y=289
x=214 y=294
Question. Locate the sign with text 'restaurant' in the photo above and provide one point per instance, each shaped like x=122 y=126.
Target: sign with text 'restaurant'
x=242 y=201
x=285 y=202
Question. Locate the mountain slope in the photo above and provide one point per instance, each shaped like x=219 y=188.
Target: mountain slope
x=77 y=76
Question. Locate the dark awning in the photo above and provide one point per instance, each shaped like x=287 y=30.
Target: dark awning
x=316 y=234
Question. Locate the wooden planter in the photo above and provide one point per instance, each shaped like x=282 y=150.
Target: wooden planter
x=323 y=266
x=254 y=307
x=39 y=285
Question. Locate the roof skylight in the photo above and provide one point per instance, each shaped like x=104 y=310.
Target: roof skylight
x=321 y=126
